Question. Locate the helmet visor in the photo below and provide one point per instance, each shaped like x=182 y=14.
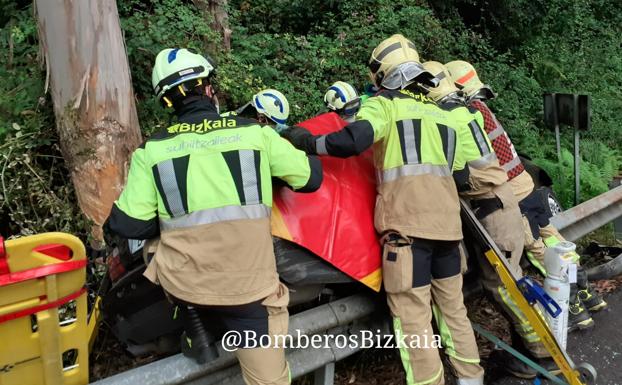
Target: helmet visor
x=407 y=73
x=351 y=107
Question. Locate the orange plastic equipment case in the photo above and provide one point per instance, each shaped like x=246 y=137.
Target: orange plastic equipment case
x=41 y=276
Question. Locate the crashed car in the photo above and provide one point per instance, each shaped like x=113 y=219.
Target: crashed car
x=312 y=259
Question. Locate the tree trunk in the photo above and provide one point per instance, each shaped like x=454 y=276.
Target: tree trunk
x=91 y=88
x=220 y=20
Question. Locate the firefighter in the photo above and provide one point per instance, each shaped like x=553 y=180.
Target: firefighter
x=417 y=208
x=343 y=99
x=268 y=106
x=271 y=105
x=539 y=233
x=204 y=186
x=493 y=201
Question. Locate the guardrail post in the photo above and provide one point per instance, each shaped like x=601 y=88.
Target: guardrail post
x=325 y=375
x=617 y=224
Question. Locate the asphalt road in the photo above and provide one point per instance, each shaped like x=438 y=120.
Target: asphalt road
x=600 y=346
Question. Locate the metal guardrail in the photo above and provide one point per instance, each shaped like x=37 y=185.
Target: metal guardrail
x=178 y=369
x=304 y=361
x=350 y=315
x=588 y=216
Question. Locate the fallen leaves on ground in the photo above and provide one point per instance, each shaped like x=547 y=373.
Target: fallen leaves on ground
x=606 y=286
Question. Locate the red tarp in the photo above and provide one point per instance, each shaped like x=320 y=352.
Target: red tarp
x=335 y=222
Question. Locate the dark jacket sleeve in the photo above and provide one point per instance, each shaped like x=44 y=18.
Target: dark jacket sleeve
x=351 y=140
x=121 y=224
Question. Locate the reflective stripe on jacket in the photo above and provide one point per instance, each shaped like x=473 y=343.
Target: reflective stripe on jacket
x=485 y=173
x=206 y=183
x=417 y=146
x=501 y=143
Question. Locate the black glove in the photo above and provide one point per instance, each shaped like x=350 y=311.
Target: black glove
x=301 y=138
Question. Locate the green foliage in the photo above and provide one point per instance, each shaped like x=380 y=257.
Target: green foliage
x=522 y=48
x=36 y=194
x=597 y=168
x=21 y=89
x=149 y=27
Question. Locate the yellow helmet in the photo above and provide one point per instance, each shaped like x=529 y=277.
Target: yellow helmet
x=394 y=64
x=465 y=77
x=342 y=98
x=446 y=87
x=273 y=104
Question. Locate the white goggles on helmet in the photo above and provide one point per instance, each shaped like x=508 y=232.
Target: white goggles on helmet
x=406 y=74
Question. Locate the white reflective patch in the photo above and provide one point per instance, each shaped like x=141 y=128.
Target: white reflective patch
x=412 y=157
x=511 y=164
x=186 y=71
x=470 y=381
x=451 y=146
x=135 y=244
x=413 y=170
x=249 y=177
x=320 y=145
x=479 y=136
x=216 y=214
x=484 y=161
x=170 y=187
x=497 y=132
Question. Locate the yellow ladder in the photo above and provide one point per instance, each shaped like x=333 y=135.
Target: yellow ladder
x=519 y=288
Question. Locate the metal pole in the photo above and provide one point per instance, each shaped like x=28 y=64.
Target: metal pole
x=577 y=172
x=617 y=224
x=325 y=375
x=558 y=144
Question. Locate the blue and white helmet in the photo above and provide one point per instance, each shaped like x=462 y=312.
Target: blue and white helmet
x=342 y=98
x=272 y=104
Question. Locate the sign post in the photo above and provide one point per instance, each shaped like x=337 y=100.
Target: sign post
x=572 y=110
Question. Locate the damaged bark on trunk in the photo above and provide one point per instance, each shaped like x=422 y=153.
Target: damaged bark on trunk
x=90 y=84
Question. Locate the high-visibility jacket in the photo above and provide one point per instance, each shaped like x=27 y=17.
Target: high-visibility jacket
x=484 y=174
x=204 y=185
x=521 y=182
x=417 y=146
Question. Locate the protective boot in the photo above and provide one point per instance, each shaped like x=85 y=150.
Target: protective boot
x=590 y=298
x=196 y=342
x=514 y=366
x=549 y=364
x=578 y=317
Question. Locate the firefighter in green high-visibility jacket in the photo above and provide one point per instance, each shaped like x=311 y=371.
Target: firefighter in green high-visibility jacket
x=492 y=199
x=416 y=148
x=204 y=186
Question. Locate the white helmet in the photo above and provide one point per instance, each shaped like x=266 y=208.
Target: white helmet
x=342 y=98
x=272 y=104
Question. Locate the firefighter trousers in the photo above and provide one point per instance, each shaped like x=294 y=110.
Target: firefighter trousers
x=416 y=274
x=259 y=365
x=504 y=227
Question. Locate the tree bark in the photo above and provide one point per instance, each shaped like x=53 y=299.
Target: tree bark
x=220 y=19
x=91 y=89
